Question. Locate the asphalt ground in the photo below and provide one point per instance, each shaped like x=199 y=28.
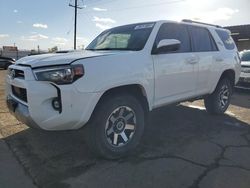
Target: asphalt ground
x=183 y=147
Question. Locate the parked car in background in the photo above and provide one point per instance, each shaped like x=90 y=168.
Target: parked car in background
x=5 y=62
x=244 y=81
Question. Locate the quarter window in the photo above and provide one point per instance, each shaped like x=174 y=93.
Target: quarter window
x=226 y=39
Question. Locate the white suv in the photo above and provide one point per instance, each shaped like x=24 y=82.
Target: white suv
x=123 y=74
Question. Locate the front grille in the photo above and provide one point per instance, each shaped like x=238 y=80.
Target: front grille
x=245 y=69
x=245 y=66
x=20 y=93
x=14 y=73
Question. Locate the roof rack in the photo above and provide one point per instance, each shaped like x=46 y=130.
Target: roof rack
x=191 y=21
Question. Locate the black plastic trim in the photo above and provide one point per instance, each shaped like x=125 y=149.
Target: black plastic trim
x=59 y=96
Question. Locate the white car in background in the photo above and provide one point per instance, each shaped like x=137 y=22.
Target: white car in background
x=125 y=73
x=244 y=81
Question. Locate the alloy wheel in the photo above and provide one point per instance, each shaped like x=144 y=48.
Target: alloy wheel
x=120 y=126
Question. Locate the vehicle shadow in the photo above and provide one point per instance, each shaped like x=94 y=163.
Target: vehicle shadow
x=52 y=157
x=241 y=98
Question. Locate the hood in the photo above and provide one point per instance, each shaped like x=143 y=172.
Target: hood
x=60 y=58
x=245 y=63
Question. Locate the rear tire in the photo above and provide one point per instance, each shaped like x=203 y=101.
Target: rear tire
x=116 y=127
x=218 y=102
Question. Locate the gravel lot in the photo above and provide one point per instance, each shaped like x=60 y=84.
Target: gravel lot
x=183 y=147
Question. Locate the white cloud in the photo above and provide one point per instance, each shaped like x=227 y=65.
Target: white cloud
x=59 y=41
x=103 y=20
x=99 y=9
x=15 y=11
x=102 y=23
x=83 y=41
x=102 y=26
x=4 y=36
x=39 y=25
x=34 y=37
x=220 y=14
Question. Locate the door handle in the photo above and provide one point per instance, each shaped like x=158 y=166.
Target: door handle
x=218 y=59
x=192 y=60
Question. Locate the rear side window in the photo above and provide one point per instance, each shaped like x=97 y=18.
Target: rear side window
x=202 y=40
x=226 y=39
x=174 y=31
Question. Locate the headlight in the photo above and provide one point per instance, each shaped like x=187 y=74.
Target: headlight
x=60 y=75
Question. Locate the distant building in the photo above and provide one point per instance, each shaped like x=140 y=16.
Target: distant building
x=15 y=53
x=241 y=36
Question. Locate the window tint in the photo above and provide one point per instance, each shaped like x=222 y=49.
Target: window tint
x=226 y=39
x=174 y=31
x=202 y=41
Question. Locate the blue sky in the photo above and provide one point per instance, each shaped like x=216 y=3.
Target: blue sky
x=48 y=23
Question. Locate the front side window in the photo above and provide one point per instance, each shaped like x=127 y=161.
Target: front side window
x=226 y=39
x=202 y=41
x=174 y=31
x=130 y=37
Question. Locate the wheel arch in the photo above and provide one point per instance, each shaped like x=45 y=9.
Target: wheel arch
x=230 y=74
x=135 y=90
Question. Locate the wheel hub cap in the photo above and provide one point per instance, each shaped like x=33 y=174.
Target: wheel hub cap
x=120 y=126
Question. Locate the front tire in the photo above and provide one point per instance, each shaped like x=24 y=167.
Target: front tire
x=116 y=127
x=6 y=66
x=218 y=102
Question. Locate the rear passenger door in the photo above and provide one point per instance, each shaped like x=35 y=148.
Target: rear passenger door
x=204 y=47
x=175 y=72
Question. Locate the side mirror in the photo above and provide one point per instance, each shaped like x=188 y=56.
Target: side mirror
x=167 y=45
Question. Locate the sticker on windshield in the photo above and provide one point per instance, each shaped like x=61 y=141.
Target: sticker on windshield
x=144 y=26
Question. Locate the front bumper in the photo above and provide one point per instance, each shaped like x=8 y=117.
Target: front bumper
x=244 y=81
x=37 y=111
x=20 y=111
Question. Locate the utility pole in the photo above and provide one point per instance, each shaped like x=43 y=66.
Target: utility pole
x=75 y=26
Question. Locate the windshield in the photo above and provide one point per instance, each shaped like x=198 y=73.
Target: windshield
x=245 y=56
x=129 y=37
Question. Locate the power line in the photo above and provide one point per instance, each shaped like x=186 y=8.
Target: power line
x=76 y=7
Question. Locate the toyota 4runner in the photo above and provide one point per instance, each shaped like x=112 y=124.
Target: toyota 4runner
x=122 y=75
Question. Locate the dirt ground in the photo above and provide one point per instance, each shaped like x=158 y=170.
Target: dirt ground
x=183 y=147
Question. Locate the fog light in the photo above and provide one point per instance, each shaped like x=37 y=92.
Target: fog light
x=56 y=104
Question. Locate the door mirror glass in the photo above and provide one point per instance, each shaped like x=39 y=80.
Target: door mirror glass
x=168 y=45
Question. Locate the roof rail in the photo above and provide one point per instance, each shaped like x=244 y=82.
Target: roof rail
x=191 y=21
